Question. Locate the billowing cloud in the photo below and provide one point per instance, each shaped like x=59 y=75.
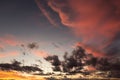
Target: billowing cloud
x=96 y=22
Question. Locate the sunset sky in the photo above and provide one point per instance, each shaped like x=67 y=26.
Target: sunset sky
x=58 y=26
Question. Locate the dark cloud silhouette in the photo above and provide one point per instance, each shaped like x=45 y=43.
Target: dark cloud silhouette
x=25 y=48
x=16 y=65
x=33 y=45
x=76 y=61
x=54 y=60
x=71 y=63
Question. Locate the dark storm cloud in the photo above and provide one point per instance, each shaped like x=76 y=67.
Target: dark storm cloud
x=95 y=21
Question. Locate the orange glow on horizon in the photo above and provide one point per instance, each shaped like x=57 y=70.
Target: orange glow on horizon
x=18 y=76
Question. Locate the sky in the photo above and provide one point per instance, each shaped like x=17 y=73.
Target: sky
x=22 y=22
x=57 y=26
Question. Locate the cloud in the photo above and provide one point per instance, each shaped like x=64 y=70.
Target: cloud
x=8 y=40
x=8 y=54
x=40 y=53
x=89 y=49
x=1 y=48
x=44 y=9
x=55 y=45
x=58 y=47
x=96 y=22
x=33 y=45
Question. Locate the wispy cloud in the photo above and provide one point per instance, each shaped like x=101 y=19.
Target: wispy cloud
x=8 y=40
x=40 y=53
x=9 y=54
x=46 y=12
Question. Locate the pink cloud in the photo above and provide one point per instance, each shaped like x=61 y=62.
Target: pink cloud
x=40 y=53
x=8 y=40
x=46 y=13
x=8 y=54
x=1 y=46
x=96 y=22
x=89 y=50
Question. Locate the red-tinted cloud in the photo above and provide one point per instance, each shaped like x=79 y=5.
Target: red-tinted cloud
x=8 y=40
x=89 y=50
x=46 y=12
x=96 y=22
x=1 y=46
x=40 y=53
